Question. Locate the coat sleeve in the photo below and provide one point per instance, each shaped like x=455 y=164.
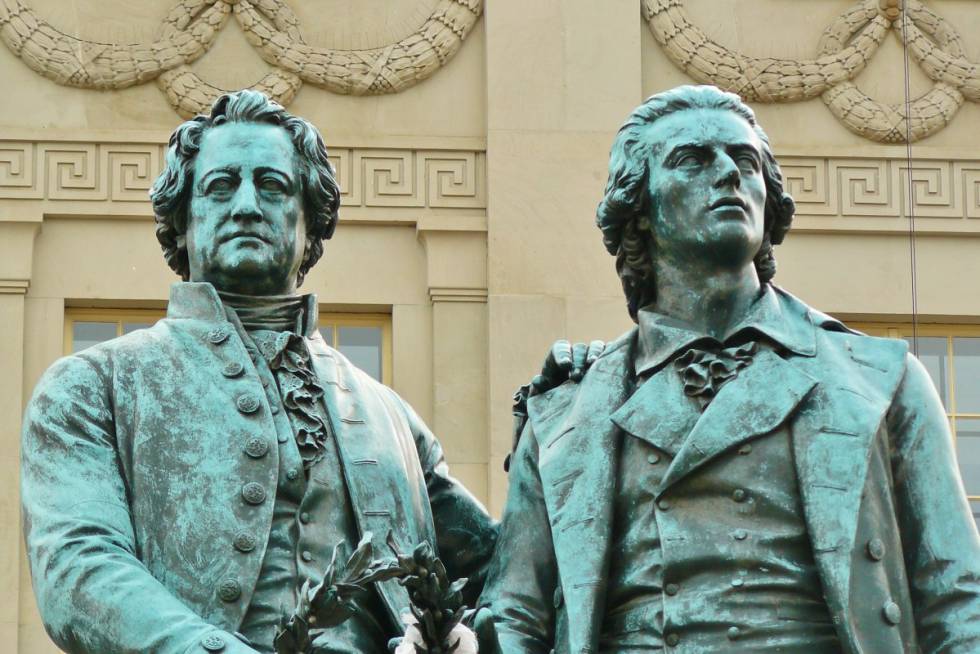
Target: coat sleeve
x=523 y=578
x=94 y=594
x=465 y=532
x=939 y=536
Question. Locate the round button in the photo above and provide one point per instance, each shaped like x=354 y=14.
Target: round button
x=253 y=493
x=739 y=495
x=282 y=438
x=307 y=556
x=292 y=474
x=876 y=549
x=671 y=589
x=745 y=449
x=893 y=614
x=653 y=458
x=663 y=504
x=244 y=541
x=740 y=534
x=233 y=369
x=304 y=517
x=737 y=583
x=218 y=336
x=247 y=403
x=213 y=643
x=274 y=408
x=672 y=639
x=265 y=383
x=229 y=590
x=733 y=633
x=256 y=447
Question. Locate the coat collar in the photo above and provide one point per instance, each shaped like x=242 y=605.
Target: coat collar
x=200 y=301
x=771 y=315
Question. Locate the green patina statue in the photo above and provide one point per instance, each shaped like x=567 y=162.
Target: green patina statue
x=739 y=472
x=182 y=483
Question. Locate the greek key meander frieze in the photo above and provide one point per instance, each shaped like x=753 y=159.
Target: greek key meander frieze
x=843 y=51
x=271 y=28
x=851 y=187
x=123 y=173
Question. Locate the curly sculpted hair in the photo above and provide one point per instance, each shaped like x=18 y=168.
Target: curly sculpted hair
x=625 y=210
x=170 y=194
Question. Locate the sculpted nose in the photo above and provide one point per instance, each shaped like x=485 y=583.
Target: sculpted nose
x=728 y=173
x=245 y=205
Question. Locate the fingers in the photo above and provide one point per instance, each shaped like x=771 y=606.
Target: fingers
x=596 y=348
x=561 y=358
x=579 y=353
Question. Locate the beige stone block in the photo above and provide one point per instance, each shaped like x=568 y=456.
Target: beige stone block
x=473 y=476
x=44 y=331
x=521 y=331
x=370 y=264
x=553 y=58
x=411 y=326
x=34 y=640
x=459 y=343
x=846 y=274
x=543 y=237
x=590 y=318
x=455 y=258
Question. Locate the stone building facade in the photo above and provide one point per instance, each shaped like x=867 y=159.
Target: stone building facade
x=471 y=139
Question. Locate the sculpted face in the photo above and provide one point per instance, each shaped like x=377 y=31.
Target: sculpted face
x=708 y=189
x=246 y=230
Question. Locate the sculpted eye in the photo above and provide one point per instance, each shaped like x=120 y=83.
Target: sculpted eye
x=272 y=185
x=688 y=159
x=221 y=185
x=747 y=161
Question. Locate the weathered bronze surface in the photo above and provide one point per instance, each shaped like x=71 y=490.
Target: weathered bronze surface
x=182 y=482
x=739 y=472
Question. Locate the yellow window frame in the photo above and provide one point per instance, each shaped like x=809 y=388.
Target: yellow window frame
x=336 y=320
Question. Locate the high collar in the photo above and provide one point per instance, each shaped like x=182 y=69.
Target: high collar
x=773 y=314
x=200 y=301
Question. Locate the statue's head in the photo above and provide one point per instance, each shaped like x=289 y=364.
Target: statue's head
x=692 y=178
x=247 y=197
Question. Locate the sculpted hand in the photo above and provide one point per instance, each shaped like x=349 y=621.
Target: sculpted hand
x=566 y=362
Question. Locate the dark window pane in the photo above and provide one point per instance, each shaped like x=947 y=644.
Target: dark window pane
x=966 y=364
x=933 y=355
x=362 y=345
x=327 y=333
x=133 y=326
x=968 y=453
x=87 y=334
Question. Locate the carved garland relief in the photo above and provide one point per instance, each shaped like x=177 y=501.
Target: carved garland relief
x=844 y=49
x=269 y=25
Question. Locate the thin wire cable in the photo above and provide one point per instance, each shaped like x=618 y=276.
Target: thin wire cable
x=911 y=196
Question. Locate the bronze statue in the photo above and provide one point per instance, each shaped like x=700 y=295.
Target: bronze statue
x=739 y=472
x=181 y=483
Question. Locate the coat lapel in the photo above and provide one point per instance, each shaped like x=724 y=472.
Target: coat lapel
x=655 y=414
x=756 y=402
x=832 y=438
x=578 y=461
x=375 y=462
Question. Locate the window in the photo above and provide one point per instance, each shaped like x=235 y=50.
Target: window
x=951 y=354
x=365 y=339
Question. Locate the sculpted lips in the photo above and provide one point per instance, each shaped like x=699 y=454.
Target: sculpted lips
x=729 y=201
x=235 y=235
